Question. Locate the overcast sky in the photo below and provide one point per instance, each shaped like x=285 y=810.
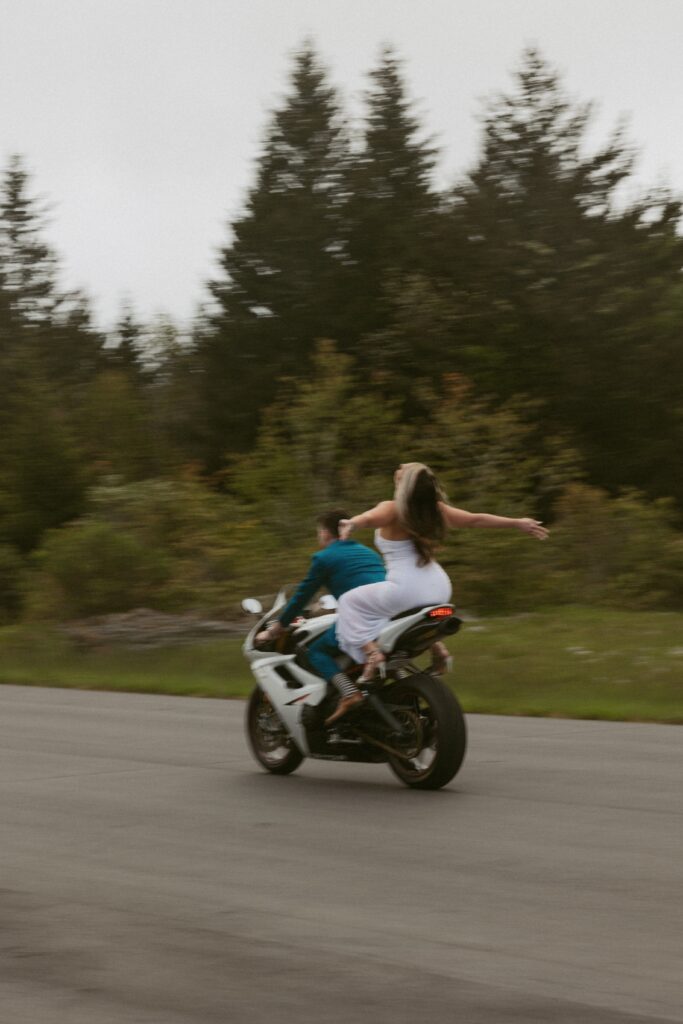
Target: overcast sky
x=140 y=119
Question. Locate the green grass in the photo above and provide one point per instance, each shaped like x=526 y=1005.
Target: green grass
x=573 y=662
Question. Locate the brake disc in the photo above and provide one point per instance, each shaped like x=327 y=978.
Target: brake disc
x=270 y=731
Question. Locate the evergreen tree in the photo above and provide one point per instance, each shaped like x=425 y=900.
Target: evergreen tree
x=37 y=319
x=169 y=368
x=279 y=288
x=324 y=441
x=126 y=354
x=28 y=264
x=392 y=215
x=42 y=477
x=49 y=352
x=562 y=288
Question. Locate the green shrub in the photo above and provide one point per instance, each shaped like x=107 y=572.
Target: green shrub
x=91 y=568
x=623 y=552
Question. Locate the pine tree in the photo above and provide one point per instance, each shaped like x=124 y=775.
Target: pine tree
x=558 y=293
x=37 y=318
x=49 y=353
x=126 y=354
x=393 y=206
x=279 y=287
x=28 y=264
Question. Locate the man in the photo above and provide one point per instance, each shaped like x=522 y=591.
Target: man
x=339 y=565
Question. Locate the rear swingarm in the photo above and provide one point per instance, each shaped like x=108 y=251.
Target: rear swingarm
x=383 y=712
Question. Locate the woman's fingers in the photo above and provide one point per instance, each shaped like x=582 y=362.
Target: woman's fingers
x=344 y=529
x=535 y=528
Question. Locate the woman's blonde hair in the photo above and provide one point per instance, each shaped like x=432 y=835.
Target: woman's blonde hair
x=417 y=503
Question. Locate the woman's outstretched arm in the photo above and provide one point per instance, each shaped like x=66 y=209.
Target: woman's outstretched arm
x=375 y=518
x=459 y=518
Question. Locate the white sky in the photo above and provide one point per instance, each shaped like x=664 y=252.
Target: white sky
x=140 y=119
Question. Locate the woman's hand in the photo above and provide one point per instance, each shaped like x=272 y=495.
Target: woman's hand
x=345 y=528
x=533 y=527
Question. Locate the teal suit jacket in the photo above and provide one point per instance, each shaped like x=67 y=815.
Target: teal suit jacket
x=341 y=566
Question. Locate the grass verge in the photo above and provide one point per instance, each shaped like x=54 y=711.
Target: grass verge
x=573 y=662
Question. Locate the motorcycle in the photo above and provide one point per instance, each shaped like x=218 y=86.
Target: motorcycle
x=409 y=719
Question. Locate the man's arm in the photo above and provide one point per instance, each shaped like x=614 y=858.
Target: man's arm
x=309 y=586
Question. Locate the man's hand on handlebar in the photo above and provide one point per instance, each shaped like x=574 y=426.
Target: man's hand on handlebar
x=273 y=631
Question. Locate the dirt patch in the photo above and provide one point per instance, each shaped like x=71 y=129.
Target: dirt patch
x=144 y=627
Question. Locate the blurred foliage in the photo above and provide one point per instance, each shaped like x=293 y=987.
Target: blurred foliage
x=90 y=568
x=43 y=475
x=623 y=552
x=519 y=332
x=172 y=544
x=176 y=543
x=12 y=570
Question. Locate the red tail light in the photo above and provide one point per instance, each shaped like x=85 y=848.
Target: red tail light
x=440 y=613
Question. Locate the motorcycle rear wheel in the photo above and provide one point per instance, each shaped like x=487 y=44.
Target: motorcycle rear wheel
x=270 y=744
x=436 y=738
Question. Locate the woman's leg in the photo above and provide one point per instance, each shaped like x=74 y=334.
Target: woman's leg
x=363 y=613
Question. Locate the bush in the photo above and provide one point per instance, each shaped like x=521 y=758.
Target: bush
x=91 y=568
x=176 y=545
x=623 y=552
x=172 y=544
x=498 y=571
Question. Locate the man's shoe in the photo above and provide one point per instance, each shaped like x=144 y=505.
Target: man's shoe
x=345 y=705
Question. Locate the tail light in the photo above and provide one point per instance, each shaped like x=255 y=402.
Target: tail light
x=440 y=613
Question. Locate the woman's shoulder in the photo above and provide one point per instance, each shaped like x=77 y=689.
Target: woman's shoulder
x=391 y=528
x=383 y=514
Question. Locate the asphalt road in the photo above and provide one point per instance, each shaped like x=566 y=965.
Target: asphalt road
x=150 y=872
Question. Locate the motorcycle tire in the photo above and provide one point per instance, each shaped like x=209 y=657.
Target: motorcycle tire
x=435 y=749
x=270 y=744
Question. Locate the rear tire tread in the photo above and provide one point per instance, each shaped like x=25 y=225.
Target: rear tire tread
x=452 y=733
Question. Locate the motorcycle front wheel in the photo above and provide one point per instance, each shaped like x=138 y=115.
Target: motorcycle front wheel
x=269 y=741
x=434 y=737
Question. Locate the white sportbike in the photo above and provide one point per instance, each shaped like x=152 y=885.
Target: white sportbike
x=410 y=719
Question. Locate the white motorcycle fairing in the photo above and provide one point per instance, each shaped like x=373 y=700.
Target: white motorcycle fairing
x=292 y=687
x=290 y=697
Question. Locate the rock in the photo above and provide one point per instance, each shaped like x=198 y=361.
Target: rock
x=144 y=627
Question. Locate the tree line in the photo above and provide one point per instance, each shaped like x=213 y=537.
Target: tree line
x=520 y=331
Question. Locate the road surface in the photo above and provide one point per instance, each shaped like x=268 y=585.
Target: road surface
x=150 y=872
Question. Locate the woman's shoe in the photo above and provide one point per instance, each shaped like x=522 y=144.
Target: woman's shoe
x=441 y=659
x=345 y=705
x=375 y=662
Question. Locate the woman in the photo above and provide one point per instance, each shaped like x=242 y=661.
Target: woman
x=408 y=530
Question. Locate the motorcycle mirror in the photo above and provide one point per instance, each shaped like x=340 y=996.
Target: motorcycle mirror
x=251 y=605
x=328 y=602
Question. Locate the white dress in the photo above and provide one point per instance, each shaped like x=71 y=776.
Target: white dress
x=365 y=611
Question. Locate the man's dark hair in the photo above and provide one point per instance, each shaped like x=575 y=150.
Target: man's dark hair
x=330 y=520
